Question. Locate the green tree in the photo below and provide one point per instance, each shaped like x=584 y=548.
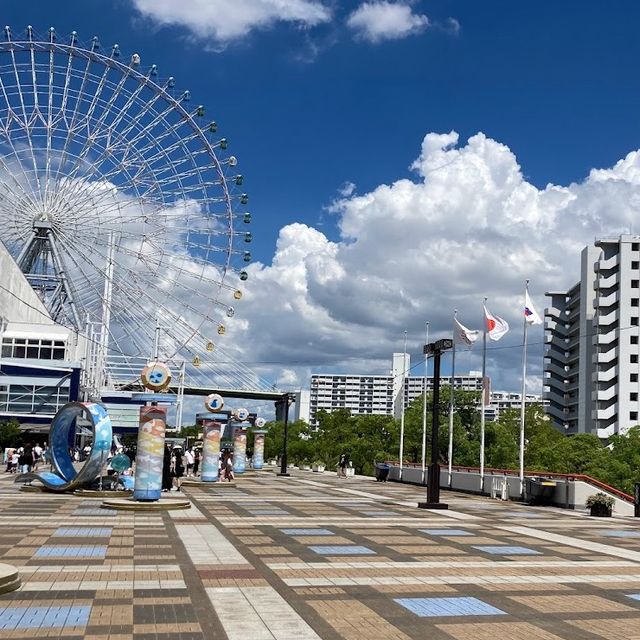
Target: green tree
x=363 y=438
x=273 y=439
x=10 y=434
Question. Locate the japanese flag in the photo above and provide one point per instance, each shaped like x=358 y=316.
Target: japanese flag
x=496 y=326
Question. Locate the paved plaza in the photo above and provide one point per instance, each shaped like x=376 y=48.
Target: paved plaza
x=312 y=556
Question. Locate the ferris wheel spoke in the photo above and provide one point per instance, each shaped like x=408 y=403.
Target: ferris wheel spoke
x=86 y=121
x=26 y=121
x=71 y=125
x=49 y=127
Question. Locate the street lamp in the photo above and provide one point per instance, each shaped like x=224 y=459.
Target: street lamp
x=435 y=349
x=284 y=403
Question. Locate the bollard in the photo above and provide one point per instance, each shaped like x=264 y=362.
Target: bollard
x=239 y=449
x=258 y=448
x=150 y=454
x=210 y=451
x=636 y=500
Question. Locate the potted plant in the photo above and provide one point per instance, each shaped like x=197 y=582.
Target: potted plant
x=600 y=504
x=304 y=465
x=319 y=466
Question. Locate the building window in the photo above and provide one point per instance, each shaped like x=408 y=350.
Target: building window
x=634 y=339
x=635 y=246
x=633 y=396
x=33 y=348
x=633 y=415
x=635 y=264
x=635 y=284
x=634 y=358
x=633 y=377
x=32 y=399
x=634 y=322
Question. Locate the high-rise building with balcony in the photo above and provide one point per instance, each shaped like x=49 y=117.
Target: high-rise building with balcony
x=592 y=342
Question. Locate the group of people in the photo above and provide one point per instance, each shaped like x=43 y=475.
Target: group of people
x=178 y=465
x=25 y=458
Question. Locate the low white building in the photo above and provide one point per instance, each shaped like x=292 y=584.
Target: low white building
x=382 y=394
x=40 y=361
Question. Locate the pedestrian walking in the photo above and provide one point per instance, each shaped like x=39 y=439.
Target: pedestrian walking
x=189 y=460
x=167 y=481
x=177 y=468
x=196 y=462
x=342 y=466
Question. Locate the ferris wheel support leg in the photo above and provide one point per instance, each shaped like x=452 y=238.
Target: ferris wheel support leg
x=66 y=285
x=180 y=399
x=100 y=373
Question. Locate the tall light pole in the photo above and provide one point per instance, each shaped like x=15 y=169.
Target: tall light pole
x=284 y=402
x=402 y=390
x=424 y=411
x=433 y=484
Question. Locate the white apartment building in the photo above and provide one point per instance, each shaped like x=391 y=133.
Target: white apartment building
x=382 y=394
x=593 y=342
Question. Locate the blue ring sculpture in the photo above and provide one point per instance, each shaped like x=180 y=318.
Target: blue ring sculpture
x=65 y=477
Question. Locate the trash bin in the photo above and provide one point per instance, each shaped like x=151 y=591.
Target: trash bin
x=540 y=490
x=382 y=472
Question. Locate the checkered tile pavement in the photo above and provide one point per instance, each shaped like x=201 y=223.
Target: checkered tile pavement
x=310 y=557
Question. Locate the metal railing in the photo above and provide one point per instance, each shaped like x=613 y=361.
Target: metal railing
x=546 y=474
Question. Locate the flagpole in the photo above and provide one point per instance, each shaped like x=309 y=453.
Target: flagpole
x=402 y=390
x=451 y=402
x=424 y=410
x=524 y=388
x=482 y=419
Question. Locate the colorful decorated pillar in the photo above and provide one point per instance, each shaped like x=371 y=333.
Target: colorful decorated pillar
x=239 y=449
x=209 y=470
x=150 y=455
x=258 y=448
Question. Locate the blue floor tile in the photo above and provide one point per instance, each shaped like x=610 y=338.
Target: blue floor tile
x=307 y=532
x=447 y=532
x=80 y=532
x=620 y=533
x=346 y=550
x=61 y=551
x=15 y=618
x=437 y=607
x=505 y=550
x=268 y=512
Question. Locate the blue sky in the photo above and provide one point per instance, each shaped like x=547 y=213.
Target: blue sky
x=554 y=81
x=312 y=104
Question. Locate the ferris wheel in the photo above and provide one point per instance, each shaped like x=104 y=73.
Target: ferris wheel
x=118 y=198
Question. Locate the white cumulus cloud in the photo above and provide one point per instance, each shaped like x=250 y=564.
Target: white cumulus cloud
x=225 y=20
x=383 y=20
x=468 y=225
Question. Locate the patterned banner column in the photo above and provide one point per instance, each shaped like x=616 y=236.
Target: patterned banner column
x=150 y=455
x=209 y=471
x=258 y=449
x=239 y=449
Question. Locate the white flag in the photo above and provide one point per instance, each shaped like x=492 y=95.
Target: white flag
x=530 y=314
x=496 y=326
x=462 y=335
